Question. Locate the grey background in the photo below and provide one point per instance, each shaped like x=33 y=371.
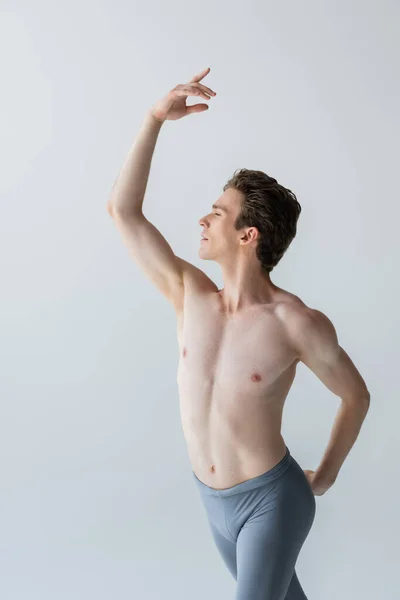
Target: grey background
x=97 y=498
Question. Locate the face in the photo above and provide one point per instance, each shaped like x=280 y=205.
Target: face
x=218 y=226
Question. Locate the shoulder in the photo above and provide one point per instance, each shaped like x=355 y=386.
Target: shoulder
x=195 y=283
x=298 y=315
x=307 y=328
x=194 y=278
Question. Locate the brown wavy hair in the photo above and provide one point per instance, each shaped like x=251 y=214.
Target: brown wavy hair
x=270 y=207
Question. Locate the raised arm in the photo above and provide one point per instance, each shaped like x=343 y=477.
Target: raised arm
x=146 y=244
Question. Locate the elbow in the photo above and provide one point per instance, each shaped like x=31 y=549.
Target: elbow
x=359 y=400
x=366 y=398
x=110 y=209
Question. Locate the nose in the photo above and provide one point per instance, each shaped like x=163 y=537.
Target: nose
x=203 y=222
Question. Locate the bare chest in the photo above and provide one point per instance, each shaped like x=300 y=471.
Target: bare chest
x=234 y=374
x=244 y=356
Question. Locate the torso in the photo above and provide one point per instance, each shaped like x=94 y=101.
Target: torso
x=233 y=377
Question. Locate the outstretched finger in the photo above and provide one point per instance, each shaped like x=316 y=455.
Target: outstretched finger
x=200 y=75
x=192 y=90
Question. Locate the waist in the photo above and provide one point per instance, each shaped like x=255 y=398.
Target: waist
x=253 y=482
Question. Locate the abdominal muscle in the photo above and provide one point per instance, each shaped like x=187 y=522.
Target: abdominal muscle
x=231 y=438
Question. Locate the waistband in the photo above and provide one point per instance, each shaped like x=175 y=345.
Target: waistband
x=249 y=484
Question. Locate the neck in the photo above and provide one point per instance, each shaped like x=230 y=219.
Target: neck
x=246 y=290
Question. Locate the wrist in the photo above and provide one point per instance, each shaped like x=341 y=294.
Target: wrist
x=321 y=479
x=150 y=115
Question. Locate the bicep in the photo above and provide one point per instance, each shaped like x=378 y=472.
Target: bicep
x=152 y=254
x=336 y=371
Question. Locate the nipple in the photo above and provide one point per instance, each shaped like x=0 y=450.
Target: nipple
x=256 y=377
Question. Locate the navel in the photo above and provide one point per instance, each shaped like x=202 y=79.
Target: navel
x=184 y=351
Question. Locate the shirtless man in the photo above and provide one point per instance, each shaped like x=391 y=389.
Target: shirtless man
x=238 y=352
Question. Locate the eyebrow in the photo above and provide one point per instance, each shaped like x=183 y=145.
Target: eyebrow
x=219 y=208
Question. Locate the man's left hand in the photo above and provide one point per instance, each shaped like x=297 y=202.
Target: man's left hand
x=319 y=488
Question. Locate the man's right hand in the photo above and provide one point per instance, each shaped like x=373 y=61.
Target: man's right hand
x=173 y=106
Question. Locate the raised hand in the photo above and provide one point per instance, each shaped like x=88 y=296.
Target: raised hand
x=173 y=105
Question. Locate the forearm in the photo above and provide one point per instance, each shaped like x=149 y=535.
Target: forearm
x=129 y=188
x=346 y=428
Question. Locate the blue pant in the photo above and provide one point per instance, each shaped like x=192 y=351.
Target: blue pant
x=259 y=527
